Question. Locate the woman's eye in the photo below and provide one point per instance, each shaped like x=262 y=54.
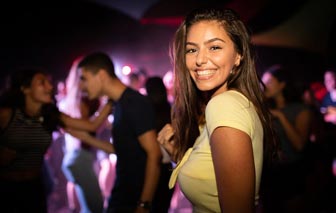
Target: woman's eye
x=190 y=50
x=215 y=47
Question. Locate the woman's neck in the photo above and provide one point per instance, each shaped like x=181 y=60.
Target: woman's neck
x=32 y=109
x=280 y=101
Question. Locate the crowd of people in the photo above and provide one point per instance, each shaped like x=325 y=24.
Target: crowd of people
x=228 y=139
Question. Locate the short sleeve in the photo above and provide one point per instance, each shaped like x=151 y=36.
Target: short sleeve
x=230 y=109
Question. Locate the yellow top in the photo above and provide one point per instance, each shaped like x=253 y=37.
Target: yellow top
x=195 y=172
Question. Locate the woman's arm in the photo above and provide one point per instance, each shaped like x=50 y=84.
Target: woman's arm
x=5 y=116
x=298 y=133
x=86 y=124
x=6 y=154
x=93 y=141
x=165 y=138
x=233 y=161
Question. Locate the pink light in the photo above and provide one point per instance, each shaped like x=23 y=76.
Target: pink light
x=334 y=167
x=168 y=79
x=126 y=70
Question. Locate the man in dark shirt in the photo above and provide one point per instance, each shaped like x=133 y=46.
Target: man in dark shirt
x=134 y=135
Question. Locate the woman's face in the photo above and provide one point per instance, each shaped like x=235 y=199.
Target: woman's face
x=272 y=84
x=40 y=90
x=210 y=56
x=329 y=81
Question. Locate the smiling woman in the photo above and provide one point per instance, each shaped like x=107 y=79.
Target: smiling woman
x=211 y=56
x=219 y=99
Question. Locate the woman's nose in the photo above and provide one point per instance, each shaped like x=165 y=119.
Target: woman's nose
x=201 y=58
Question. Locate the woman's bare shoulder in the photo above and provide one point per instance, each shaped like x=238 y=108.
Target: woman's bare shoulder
x=5 y=116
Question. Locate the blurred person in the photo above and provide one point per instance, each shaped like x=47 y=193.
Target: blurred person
x=310 y=99
x=292 y=119
x=79 y=158
x=328 y=106
x=328 y=109
x=78 y=167
x=136 y=81
x=157 y=94
x=28 y=116
x=107 y=161
x=319 y=191
x=220 y=132
x=87 y=125
x=134 y=136
x=168 y=80
x=61 y=91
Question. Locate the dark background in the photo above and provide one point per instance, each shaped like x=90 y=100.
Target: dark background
x=51 y=34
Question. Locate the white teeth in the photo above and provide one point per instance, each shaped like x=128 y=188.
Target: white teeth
x=205 y=72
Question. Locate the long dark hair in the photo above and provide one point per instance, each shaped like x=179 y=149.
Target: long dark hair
x=189 y=103
x=13 y=97
x=157 y=94
x=293 y=90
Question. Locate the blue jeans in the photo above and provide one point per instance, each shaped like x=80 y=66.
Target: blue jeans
x=77 y=167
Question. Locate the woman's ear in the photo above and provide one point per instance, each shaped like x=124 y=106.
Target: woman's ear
x=238 y=59
x=24 y=90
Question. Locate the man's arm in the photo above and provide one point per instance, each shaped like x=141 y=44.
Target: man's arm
x=152 y=173
x=85 y=137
